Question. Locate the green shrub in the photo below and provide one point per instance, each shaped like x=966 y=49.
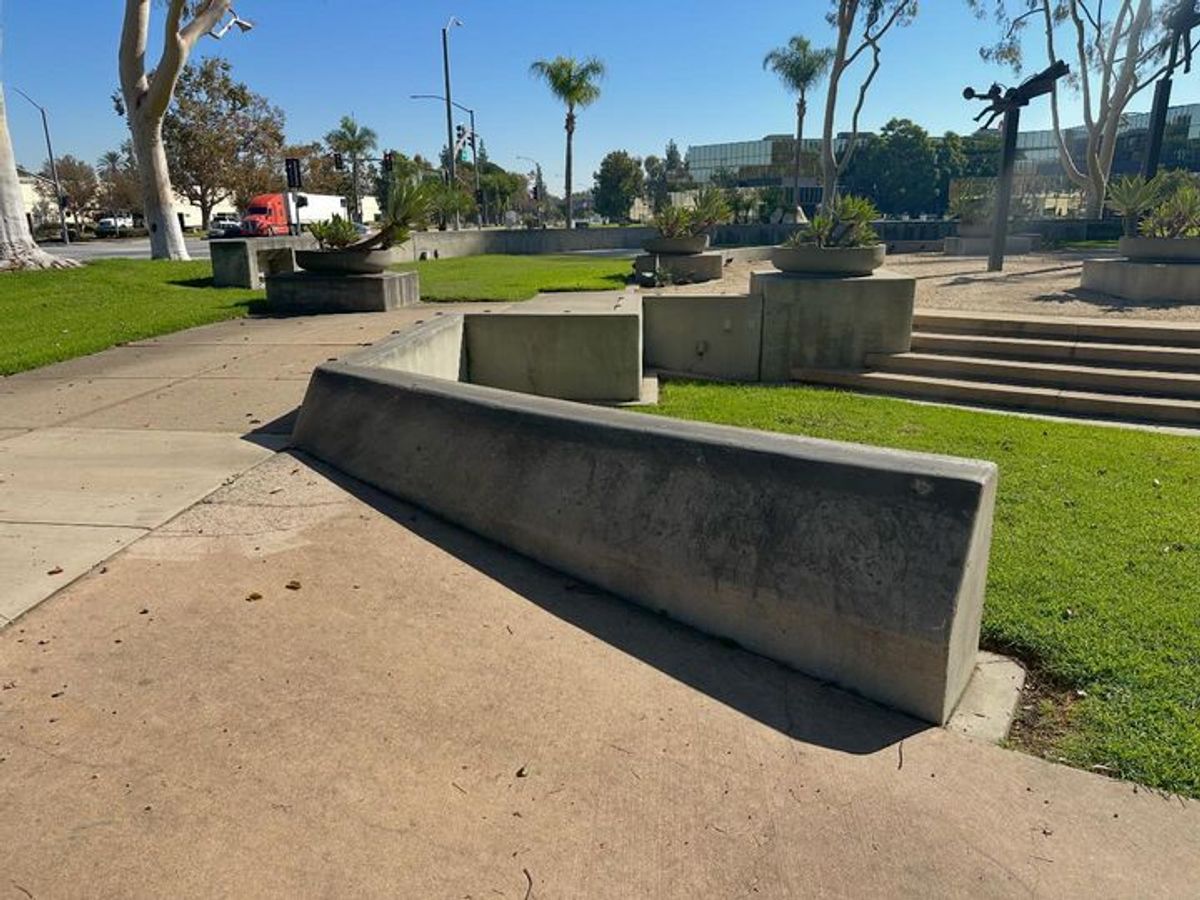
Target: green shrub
x=334 y=234
x=1176 y=216
x=847 y=222
x=1132 y=197
x=711 y=208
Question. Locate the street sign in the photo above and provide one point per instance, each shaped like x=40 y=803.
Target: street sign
x=292 y=165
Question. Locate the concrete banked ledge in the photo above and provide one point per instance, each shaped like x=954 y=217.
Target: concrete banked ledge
x=861 y=566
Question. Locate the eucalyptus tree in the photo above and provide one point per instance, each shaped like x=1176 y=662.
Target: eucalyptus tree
x=355 y=141
x=861 y=26
x=18 y=250
x=799 y=66
x=1116 y=52
x=145 y=96
x=576 y=84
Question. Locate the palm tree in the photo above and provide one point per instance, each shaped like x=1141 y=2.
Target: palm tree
x=575 y=84
x=799 y=67
x=355 y=141
x=17 y=247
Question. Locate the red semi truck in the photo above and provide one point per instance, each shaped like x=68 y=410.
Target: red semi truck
x=268 y=215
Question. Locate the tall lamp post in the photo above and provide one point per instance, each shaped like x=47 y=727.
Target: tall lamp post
x=1008 y=103
x=454 y=20
x=62 y=211
x=474 y=153
x=1180 y=23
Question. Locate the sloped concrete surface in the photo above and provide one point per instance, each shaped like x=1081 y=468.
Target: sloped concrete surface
x=424 y=715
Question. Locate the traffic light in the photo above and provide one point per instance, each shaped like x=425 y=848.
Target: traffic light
x=534 y=194
x=387 y=161
x=459 y=133
x=338 y=162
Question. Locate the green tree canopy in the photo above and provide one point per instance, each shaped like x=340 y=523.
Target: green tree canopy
x=618 y=183
x=222 y=139
x=898 y=170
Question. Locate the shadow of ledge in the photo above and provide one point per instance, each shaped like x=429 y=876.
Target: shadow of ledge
x=801 y=707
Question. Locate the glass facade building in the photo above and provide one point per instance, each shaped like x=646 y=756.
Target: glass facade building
x=768 y=162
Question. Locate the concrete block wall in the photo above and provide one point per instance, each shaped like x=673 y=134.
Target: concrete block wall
x=858 y=565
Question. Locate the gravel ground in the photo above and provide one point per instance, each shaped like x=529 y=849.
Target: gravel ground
x=1040 y=284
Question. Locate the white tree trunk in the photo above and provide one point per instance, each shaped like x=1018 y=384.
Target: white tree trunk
x=17 y=247
x=158 y=199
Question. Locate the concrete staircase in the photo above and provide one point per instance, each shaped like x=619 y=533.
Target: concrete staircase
x=1147 y=372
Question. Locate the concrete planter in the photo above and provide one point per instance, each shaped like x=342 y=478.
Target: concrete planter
x=974 y=229
x=1148 y=249
x=345 y=262
x=677 y=246
x=813 y=260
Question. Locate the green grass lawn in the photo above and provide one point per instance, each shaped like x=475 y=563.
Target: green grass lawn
x=501 y=277
x=1095 y=567
x=56 y=315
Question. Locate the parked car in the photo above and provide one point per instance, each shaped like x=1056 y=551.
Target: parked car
x=223 y=225
x=113 y=226
x=275 y=214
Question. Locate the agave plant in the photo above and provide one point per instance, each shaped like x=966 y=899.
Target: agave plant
x=711 y=208
x=845 y=223
x=1176 y=216
x=334 y=234
x=1132 y=197
x=409 y=203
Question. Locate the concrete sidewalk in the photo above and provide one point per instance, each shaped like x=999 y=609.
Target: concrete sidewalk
x=301 y=688
x=95 y=451
x=298 y=687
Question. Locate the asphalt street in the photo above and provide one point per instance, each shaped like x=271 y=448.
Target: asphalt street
x=119 y=248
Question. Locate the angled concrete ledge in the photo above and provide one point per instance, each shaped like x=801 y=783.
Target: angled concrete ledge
x=858 y=565
x=244 y=262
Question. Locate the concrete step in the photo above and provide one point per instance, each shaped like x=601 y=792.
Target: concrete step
x=1162 y=410
x=1061 y=328
x=1110 y=354
x=1061 y=376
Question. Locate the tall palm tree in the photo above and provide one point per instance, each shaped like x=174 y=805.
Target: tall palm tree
x=354 y=141
x=575 y=84
x=799 y=67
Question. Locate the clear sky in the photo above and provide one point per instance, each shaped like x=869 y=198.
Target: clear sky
x=691 y=71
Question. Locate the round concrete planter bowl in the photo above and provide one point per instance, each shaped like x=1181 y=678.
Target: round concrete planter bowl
x=677 y=246
x=344 y=262
x=815 y=260
x=1149 y=249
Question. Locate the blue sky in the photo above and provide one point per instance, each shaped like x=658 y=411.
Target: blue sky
x=691 y=71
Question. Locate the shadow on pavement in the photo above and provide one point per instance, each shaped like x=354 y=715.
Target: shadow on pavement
x=803 y=708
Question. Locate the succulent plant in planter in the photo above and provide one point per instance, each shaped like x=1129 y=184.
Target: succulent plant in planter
x=684 y=231
x=408 y=205
x=840 y=240
x=1166 y=211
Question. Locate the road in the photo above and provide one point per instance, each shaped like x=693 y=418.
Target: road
x=123 y=248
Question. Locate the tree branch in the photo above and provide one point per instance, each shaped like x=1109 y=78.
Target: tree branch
x=132 y=55
x=177 y=44
x=862 y=96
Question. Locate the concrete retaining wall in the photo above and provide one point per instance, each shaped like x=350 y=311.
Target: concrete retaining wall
x=711 y=337
x=587 y=355
x=445 y=244
x=862 y=566
x=1143 y=281
x=244 y=262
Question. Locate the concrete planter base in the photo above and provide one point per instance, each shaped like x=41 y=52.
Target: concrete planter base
x=1170 y=250
x=310 y=292
x=831 y=323
x=244 y=262
x=1143 y=281
x=689 y=269
x=982 y=246
x=697 y=243
x=829 y=260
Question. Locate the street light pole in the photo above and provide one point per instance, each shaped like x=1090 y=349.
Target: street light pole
x=62 y=212
x=471 y=113
x=454 y=20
